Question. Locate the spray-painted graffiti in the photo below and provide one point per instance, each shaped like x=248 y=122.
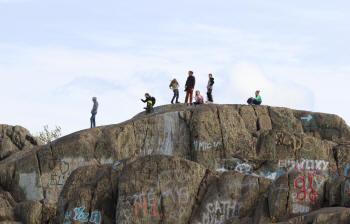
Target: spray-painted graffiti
x=80 y=215
x=307 y=118
x=286 y=139
x=296 y=142
x=299 y=209
x=145 y=204
x=347 y=170
x=307 y=187
x=115 y=165
x=220 y=211
x=244 y=168
x=148 y=204
x=60 y=172
x=204 y=146
x=304 y=165
x=272 y=175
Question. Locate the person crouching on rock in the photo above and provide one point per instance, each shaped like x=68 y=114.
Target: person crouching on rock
x=255 y=101
x=174 y=85
x=150 y=100
x=198 y=98
x=190 y=83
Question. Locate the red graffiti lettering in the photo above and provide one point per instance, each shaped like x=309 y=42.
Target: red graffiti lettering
x=305 y=191
x=143 y=205
x=140 y=205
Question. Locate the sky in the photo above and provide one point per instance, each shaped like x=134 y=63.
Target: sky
x=56 y=55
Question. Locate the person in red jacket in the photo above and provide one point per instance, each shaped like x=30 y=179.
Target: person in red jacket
x=190 y=83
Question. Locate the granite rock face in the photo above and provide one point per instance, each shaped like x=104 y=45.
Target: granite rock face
x=208 y=164
x=14 y=139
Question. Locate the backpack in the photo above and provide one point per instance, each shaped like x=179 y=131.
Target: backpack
x=153 y=100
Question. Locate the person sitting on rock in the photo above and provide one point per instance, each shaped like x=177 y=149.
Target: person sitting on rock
x=174 y=85
x=198 y=98
x=150 y=100
x=255 y=101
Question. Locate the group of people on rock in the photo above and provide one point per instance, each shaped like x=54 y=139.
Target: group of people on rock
x=174 y=86
x=198 y=98
x=189 y=89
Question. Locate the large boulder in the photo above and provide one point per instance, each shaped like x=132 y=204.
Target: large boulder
x=204 y=164
x=14 y=139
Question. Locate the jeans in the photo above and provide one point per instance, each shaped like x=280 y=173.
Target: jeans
x=93 y=121
x=209 y=95
x=176 y=96
x=189 y=96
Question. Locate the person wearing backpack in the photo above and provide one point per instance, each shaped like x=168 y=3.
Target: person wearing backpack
x=190 y=83
x=150 y=100
x=255 y=101
x=174 y=85
x=210 y=88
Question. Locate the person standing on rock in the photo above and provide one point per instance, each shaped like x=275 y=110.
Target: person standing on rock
x=190 y=83
x=255 y=101
x=93 y=112
x=150 y=100
x=174 y=85
x=210 y=88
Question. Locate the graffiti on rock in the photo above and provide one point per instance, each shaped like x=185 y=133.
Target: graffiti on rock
x=300 y=209
x=244 y=168
x=291 y=141
x=220 y=211
x=307 y=187
x=304 y=165
x=148 y=204
x=145 y=204
x=205 y=146
x=80 y=215
x=347 y=170
x=60 y=172
x=307 y=118
x=115 y=165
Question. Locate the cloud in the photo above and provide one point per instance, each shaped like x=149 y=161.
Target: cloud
x=54 y=84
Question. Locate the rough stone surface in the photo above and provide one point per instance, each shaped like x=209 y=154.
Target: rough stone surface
x=14 y=139
x=207 y=164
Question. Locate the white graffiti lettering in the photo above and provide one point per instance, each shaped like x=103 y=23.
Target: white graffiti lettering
x=204 y=146
x=304 y=165
x=220 y=211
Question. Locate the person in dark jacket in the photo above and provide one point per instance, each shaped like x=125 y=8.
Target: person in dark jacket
x=190 y=83
x=93 y=112
x=255 y=101
x=150 y=100
x=210 y=88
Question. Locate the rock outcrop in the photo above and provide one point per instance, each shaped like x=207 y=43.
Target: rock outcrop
x=208 y=164
x=14 y=139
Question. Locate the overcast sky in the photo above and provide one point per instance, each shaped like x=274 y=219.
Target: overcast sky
x=56 y=55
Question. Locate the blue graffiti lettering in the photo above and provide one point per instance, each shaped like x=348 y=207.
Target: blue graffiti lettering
x=80 y=215
x=95 y=217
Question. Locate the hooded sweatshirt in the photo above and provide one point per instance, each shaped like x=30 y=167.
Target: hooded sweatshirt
x=210 y=83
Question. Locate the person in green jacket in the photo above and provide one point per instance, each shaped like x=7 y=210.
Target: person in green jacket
x=255 y=101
